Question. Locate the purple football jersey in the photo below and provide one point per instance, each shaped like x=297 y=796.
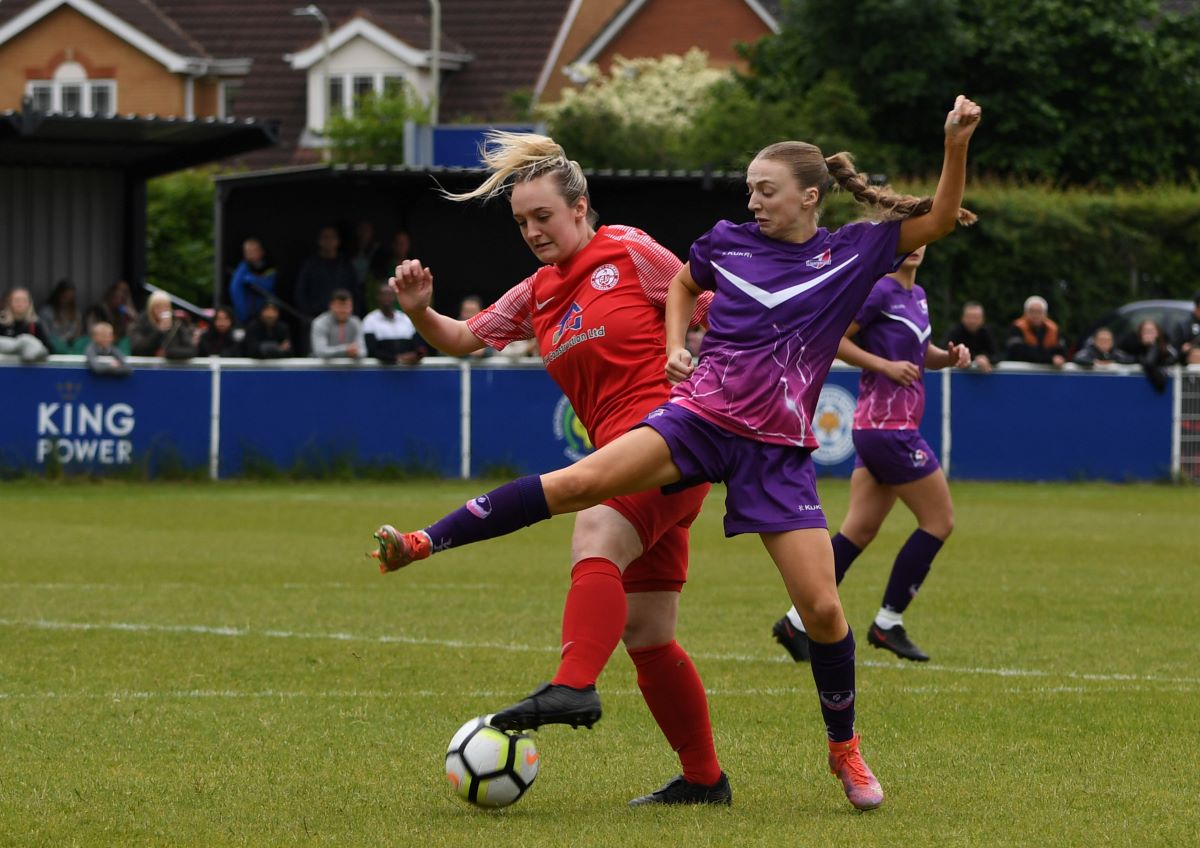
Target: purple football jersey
x=893 y=324
x=775 y=323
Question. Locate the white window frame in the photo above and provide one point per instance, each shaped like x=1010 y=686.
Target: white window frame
x=85 y=87
x=378 y=86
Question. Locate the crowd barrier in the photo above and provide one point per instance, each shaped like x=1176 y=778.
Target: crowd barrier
x=465 y=418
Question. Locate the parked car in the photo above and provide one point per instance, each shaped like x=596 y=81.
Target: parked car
x=1171 y=315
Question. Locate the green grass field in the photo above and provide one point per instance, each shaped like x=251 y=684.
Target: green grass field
x=219 y=665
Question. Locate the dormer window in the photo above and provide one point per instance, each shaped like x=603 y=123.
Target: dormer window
x=71 y=92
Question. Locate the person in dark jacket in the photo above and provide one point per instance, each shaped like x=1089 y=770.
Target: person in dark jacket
x=63 y=319
x=223 y=337
x=161 y=331
x=323 y=274
x=1035 y=338
x=266 y=336
x=1149 y=347
x=251 y=277
x=972 y=333
x=1102 y=352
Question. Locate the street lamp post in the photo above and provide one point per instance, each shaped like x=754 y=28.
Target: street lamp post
x=435 y=60
x=311 y=11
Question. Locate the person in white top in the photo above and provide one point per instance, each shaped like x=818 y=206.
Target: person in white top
x=391 y=336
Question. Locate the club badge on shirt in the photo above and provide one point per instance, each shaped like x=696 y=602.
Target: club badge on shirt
x=605 y=277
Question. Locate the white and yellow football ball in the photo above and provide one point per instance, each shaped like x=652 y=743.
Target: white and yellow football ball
x=488 y=767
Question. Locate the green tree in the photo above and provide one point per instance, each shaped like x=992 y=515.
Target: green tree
x=374 y=134
x=1099 y=92
x=179 y=234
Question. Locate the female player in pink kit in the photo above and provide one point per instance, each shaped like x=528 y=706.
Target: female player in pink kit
x=893 y=459
x=596 y=310
x=786 y=290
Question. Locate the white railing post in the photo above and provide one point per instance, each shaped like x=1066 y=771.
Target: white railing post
x=214 y=422
x=946 y=428
x=464 y=419
x=1176 y=422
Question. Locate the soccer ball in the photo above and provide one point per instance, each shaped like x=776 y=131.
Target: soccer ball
x=488 y=767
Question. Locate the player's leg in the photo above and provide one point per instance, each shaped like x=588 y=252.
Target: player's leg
x=666 y=675
x=638 y=460
x=594 y=616
x=805 y=561
x=929 y=500
x=870 y=503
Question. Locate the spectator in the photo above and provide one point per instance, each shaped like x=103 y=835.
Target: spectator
x=116 y=309
x=1035 y=338
x=251 y=278
x=1149 y=348
x=693 y=340
x=223 y=337
x=103 y=356
x=62 y=320
x=386 y=261
x=972 y=333
x=363 y=256
x=468 y=307
x=323 y=274
x=267 y=337
x=338 y=332
x=20 y=331
x=161 y=331
x=1101 y=352
x=390 y=334
x=1189 y=337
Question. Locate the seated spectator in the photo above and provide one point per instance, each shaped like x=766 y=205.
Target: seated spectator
x=469 y=307
x=1035 y=338
x=161 y=331
x=338 y=332
x=1189 y=336
x=971 y=331
x=1101 y=352
x=62 y=320
x=1149 y=348
x=399 y=248
x=390 y=335
x=223 y=337
x=323 y=274
x=103 y=356
x=267 y=337
x=20 y=331
x=252 y=276
x=116 y=308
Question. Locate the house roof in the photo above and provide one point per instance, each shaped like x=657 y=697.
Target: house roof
x=507 y=42
x=139 y=22
x=401 y=41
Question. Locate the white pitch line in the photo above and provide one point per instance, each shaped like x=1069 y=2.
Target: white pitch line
x=908 y=668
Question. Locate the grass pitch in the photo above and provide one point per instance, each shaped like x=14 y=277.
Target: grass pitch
x=219 y=665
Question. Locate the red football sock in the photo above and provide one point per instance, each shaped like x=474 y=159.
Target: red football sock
x=675 y=695
x=593 y=620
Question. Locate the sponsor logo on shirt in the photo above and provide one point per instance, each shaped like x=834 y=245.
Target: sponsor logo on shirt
x=743 y=253
x=605 y=277
x=820 y=261
x=572 y=322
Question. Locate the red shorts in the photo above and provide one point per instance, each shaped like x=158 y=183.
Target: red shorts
x=662 y=523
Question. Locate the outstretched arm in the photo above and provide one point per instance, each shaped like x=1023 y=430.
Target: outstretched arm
x=947 y=199
x=413 y=285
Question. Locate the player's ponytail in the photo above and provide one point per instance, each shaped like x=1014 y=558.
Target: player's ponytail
x=811 y=168
x=519 y=157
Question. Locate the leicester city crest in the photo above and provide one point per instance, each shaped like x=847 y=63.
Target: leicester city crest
x=833 y=425
x=570 y=432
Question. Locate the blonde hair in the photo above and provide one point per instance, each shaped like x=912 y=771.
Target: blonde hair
x=157 y=297
x=813 y=169
x=8 y=316
x=521 y=157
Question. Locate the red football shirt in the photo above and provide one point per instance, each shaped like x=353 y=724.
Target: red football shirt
x=598 y=321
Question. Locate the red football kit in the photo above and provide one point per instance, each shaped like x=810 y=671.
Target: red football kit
x=598 y=322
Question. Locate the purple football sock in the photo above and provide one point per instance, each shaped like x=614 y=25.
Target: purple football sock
x=844 y=554
x=833 y=671
x=510 y=507
x=911 y=567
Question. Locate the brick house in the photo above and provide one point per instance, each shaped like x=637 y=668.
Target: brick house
x=219 y=58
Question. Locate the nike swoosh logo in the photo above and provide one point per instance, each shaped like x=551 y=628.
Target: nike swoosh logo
x=541 y=304
x=922 y=335
x=773 y=299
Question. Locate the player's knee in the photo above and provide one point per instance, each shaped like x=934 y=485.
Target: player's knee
x=821 y=613
x=574 y=491
x=941 y=526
